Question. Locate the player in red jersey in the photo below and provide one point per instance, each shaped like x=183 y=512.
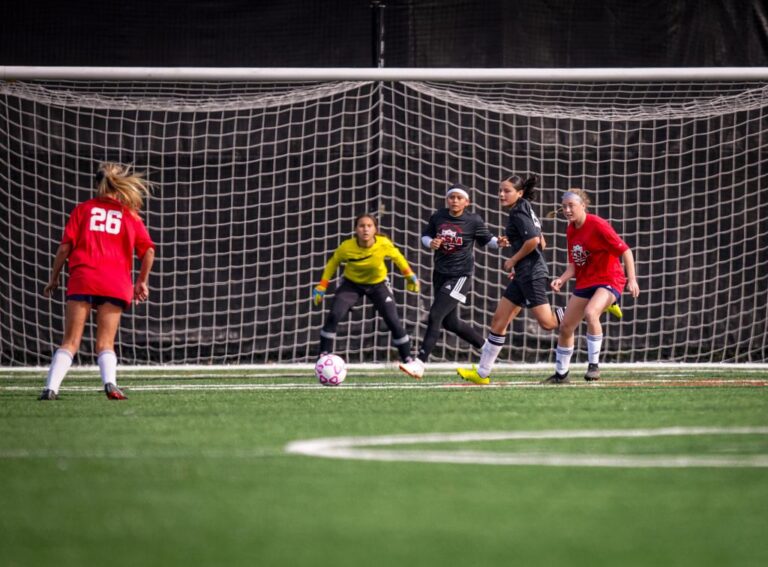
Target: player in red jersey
x=99 y=241
x=594 y=250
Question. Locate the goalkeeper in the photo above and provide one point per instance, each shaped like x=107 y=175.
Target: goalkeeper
x=365 y=274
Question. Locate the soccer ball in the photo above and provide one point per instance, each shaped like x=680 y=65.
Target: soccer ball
x=330 y=370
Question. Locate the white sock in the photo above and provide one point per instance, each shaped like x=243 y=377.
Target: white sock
x=594 y=344
x=108 y=367
x=60 y=363
x=563 y=359
x=489 y=353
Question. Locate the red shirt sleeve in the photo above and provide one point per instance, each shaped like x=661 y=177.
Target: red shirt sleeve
x=143 y=241
x=612 y=240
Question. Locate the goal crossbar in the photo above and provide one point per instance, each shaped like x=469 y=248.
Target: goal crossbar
x=629 y=74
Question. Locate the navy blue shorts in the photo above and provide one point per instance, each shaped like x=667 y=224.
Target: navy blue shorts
x=588 y=292
x=96 y=300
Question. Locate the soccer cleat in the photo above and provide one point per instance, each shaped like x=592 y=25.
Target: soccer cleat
x=471 y=375
x=414 y=368
x=557 y=379
x=614 y=310
x=559 y=314
x=48 y=395
x=113 y=392
x=593 y=372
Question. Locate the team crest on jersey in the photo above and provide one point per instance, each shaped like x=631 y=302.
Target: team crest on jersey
x=580 y=256
x=451 y=237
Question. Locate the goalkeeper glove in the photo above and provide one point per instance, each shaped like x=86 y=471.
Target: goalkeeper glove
x=318 y=294
x=413 y=283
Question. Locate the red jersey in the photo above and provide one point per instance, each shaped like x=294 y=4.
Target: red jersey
x=594 y=250
x=103 y=234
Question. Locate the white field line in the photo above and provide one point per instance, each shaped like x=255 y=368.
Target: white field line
x=130 y=454
x=358 y=448
x=502 y=368
x=413 y=385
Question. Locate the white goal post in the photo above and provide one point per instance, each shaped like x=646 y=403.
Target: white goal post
x=259 y=173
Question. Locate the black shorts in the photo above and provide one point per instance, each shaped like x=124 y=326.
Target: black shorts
x=96 y=300
x=456 y=287
x=529 y=294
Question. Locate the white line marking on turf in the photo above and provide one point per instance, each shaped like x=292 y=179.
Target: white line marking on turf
x=463 y=386
x=128 y=454
x=358 y=448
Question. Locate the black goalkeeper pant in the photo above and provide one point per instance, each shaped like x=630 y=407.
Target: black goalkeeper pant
x=346 y=297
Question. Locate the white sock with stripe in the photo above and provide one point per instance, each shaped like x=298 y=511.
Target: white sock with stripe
x=594 y=344
x=60 y=363
x=108 y=367
x=489 y=353
x=563 y=359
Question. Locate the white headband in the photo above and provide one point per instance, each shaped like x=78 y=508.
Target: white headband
x=458 y=190
x=569 y=194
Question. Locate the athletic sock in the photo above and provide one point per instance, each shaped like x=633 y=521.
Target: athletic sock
x=563 y=359
x=489 y=353
x=594 y=344
x=60 y=363
x=403 y=345
x=108 y=367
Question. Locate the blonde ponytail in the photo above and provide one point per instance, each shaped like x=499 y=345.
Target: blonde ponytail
x=117 y=181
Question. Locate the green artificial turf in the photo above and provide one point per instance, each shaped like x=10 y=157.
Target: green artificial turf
x=200 y=476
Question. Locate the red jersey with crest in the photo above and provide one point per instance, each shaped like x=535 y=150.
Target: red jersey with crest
x=104 y=234
x=594 y=249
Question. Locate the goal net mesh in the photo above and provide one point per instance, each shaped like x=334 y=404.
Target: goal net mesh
x=256 y=184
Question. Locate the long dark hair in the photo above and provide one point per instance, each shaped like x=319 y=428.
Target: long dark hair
x=527 y=185
x=366 y=215
x=373 y=218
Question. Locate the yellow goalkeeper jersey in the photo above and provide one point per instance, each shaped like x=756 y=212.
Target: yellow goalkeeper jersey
x=365 y=265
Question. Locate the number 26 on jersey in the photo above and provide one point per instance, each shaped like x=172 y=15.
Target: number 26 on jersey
x=106 y=221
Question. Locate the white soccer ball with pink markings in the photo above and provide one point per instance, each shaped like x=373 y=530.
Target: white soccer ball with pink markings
x=330 y=369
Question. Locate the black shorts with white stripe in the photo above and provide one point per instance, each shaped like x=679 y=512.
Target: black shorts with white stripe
x=457 y=287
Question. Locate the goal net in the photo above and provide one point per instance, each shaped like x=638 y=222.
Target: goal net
x=256 y=183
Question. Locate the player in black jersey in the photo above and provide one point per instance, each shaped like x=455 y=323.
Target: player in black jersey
x=528 y=274
x=452 y=233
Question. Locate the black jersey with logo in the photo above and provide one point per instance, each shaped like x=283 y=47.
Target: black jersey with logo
x=455 y=256
x=522 y=225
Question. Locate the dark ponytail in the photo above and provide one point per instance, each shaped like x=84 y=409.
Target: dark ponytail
x=527 y=185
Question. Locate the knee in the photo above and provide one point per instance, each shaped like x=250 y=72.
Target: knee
x=592 y=315
x=566 y=330
x=434 y=321
x=548 y=325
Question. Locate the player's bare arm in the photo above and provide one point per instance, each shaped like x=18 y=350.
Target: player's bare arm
x=559 y=282
x=58 y=264
x=140 y=288
x=629 y=267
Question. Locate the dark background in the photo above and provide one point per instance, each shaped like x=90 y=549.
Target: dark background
x=418 y=33
x=690 y=195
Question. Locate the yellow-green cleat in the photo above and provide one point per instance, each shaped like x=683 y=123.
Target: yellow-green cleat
x=471 y=375
x=614 y=310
